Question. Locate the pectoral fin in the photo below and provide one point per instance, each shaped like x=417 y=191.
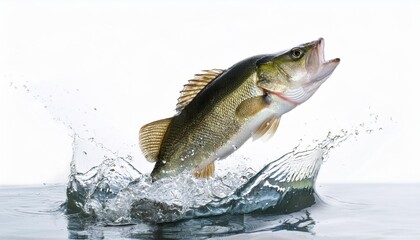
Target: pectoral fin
x=151 y=136
x=267 y=129
x=205 y=172
x=251 y=106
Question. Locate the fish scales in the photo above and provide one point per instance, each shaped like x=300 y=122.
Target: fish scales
x=203 y=125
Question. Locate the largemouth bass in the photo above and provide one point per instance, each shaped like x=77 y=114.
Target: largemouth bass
x=219 y=110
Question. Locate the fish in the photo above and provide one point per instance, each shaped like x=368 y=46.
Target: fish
x=219 y=110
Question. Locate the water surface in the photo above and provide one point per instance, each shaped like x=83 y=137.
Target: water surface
x=341 y=211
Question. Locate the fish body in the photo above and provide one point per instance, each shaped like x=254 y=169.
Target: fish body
x=219 y=110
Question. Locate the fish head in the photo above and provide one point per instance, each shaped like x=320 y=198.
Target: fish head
x=295 y=75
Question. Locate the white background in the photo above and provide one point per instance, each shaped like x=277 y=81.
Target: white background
x=106 y=68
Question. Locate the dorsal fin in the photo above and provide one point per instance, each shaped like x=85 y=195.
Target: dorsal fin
x=267 y=129
x=194 y=86
x=151 y=136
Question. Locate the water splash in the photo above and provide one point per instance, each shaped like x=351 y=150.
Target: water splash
x=107 y=187
x=115 y=192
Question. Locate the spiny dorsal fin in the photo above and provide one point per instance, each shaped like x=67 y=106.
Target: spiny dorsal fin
x=267 y=129
x=151 y=136
x=195 y=85
x=205 y=172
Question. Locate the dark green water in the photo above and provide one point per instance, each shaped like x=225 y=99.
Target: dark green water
x=341 y=211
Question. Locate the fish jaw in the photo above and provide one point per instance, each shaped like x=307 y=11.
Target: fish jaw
x=318 y=68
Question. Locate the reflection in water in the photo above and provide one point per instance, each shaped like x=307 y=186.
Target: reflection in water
x=198 y=228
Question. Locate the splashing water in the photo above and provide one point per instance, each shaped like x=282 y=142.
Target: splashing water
x=115 y=192
x=107 y=188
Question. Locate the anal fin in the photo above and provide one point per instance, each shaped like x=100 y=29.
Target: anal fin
x=205 y=172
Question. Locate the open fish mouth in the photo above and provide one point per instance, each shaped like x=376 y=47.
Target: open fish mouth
x=317 y=66
x=318 y=70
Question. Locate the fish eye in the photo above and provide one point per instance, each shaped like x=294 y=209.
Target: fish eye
x=297 y=53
